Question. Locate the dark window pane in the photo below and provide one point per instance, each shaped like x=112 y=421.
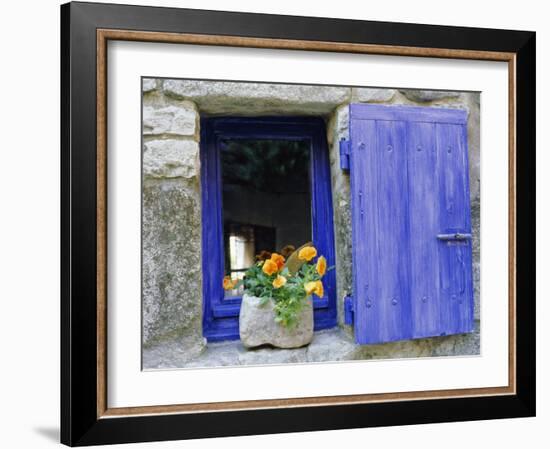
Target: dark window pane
x=266 y=199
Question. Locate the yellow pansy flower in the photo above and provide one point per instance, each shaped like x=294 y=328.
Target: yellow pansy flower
x=279 y=281
x=321 y=266
x=307 y=253
x=319 y=289
x=314 y=287
x=309 y=287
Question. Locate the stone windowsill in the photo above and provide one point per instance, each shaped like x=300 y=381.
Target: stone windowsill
x=327 y=346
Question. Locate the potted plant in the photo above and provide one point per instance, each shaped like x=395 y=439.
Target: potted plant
x=277 y=304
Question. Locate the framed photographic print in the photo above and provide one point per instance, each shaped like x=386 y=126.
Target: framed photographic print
x=277 y=224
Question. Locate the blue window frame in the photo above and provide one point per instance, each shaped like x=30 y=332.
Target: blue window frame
x=221 y=313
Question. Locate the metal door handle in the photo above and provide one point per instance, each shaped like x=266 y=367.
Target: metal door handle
x=455 y=236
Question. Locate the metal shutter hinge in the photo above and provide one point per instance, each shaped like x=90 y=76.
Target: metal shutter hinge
x=348 y=310
x=344 y=154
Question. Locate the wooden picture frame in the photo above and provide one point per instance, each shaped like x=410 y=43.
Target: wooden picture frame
x=85 y=417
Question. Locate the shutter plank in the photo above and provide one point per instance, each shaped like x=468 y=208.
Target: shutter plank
x=364 y=231
x=424 y=226
x=454 y=211
x=381 y=241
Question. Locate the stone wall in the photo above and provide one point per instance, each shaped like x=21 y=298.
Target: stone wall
x=171 y=222
x=172 y=278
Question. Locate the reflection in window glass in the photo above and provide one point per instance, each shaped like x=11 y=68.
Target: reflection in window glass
x=266 y=200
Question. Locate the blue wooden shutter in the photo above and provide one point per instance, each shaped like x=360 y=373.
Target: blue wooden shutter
x=412 y=255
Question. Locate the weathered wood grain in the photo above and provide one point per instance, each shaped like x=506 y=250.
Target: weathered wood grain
x=412 y=258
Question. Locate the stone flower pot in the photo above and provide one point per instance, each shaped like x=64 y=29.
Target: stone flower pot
x=257 y=325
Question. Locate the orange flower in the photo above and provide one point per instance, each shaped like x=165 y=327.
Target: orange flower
x=279 y=260
x=270 y=267
x=307 y=253
x=228 y=283
x=279 y=281
x=314 y=287
x=321 y=266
